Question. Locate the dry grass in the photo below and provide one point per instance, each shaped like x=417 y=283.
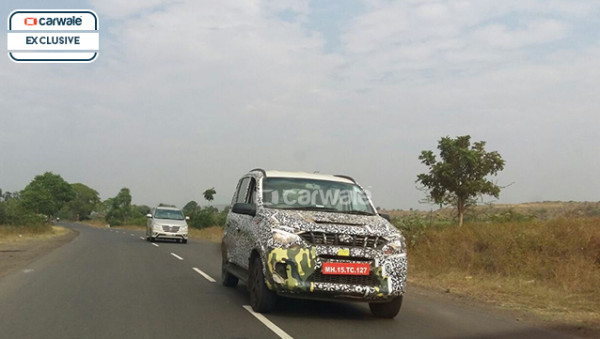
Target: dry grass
x=213 y=234
x=549 y=267
x=10 y=234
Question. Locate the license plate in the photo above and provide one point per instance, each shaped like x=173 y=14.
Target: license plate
x=346 y=268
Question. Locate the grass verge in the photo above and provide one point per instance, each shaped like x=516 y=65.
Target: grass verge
x=550 y=268
x=9 y=233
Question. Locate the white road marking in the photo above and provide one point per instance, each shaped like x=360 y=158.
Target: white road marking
x=206 y=276
x=176 y=256
x=131 y=234
x=155 y=245
x=281 y=333
x=142 y=238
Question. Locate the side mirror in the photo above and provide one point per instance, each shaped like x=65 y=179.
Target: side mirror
x=385 y=216
x=243 y=208
x=148 y=215
x=187 y=218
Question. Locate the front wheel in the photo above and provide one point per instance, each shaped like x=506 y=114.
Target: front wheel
x=262 y=299
x=388 y=309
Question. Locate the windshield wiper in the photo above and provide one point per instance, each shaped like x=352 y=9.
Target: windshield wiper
x=359 y=212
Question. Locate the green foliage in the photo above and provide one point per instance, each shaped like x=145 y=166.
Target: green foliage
x=85 y=201
x=205 y=217
x=190 y=207
x=47 y=194
x=120 y=209
x=12 y=212
x=142 y=209
x=209 y=194
x=461 y=173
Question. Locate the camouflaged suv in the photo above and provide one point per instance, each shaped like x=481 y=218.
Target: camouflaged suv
x=311 y=236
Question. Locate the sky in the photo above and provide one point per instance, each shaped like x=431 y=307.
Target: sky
x=187 y=95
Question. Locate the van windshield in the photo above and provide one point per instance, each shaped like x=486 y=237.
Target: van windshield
x=168 y=214
x=317 y=195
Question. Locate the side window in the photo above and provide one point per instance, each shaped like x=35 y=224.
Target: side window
x=243 y=190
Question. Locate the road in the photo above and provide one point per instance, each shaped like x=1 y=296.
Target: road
x=110 y=283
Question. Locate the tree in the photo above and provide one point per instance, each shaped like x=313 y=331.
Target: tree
x=86 y=200
x=461 y=173
x=120 y=208
x=190 y=207
x=46 y=194
x=209 y=194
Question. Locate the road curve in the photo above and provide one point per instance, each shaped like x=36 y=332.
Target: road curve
x=110 y=283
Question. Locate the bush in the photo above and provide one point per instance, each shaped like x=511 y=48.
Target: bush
x=207 y=217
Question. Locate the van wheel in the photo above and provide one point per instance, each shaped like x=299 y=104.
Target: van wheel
x=262 y=299
x=388 y=309
x=184 y=241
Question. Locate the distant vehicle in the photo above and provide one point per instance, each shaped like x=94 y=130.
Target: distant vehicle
x=167 y=223
x=312 y=236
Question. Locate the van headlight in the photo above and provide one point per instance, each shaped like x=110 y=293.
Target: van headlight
x=283 y=238
x=395 y=246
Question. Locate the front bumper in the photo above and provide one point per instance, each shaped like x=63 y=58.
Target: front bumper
x=168 y=235
x=297 y=272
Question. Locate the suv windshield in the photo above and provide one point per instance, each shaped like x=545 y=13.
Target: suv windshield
x=168 y=214
x=318 y=195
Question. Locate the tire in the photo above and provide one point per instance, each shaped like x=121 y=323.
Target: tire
x=388 y=309
x=228 y=279
x=262 y=299
x=152 y=239
x=184 y=241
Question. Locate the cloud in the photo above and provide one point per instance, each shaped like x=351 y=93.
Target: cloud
x=188 y=95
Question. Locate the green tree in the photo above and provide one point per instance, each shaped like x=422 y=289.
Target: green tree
x=120 y=209
x=86 y=200
x=461 y=174
x=47 y=194
x=209 y=194
x=190 y=207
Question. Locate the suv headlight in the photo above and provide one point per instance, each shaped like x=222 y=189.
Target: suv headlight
x=395 y=246
x=283 y=238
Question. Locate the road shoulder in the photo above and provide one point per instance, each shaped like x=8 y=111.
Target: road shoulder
x=18 y=253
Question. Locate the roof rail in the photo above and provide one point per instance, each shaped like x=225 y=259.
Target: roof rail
x=345 y=177
x=259 y=170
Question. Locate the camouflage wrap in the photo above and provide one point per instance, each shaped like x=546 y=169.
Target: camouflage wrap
x=302 y=261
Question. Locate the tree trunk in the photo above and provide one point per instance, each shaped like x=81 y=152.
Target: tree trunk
x=461 y=211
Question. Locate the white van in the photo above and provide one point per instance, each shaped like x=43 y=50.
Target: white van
x=167 y=223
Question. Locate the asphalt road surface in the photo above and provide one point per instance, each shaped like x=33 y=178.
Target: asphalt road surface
x=110 y=283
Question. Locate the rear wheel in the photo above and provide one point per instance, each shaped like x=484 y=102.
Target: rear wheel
x=262 y=299
x=388 y=309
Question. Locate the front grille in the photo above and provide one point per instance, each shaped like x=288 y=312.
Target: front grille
x=363 y=280
x=322 y=238
x=171 y=229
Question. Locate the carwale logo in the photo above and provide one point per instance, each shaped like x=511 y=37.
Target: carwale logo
x=55 y=36
x=30 y=21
